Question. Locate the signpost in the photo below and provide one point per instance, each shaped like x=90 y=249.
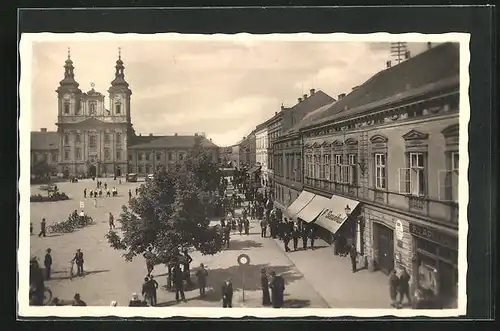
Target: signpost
x=399 y=230
x=243 y=260
x=82 y=204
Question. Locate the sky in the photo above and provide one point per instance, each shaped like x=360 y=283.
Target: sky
x=223 y=88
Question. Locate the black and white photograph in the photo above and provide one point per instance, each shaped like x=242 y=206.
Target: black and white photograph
x=276 y=175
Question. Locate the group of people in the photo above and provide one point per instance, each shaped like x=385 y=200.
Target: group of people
x=98 y=192
x=399 y=285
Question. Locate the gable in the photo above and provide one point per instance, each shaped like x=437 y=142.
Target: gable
x=378 y=138
x=415 y=135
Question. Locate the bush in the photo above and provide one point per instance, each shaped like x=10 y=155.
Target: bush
x=73 y=222
x=56 y=196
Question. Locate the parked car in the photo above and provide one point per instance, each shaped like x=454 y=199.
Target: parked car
x=131 y=178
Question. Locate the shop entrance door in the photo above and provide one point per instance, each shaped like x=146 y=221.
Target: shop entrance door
x=385 y=238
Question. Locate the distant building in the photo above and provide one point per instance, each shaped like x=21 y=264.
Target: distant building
x=261 y=143
x=95 y=139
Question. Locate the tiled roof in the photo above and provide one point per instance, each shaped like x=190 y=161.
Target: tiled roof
x=169 y=142
x=312 y=102
x=310 y=117
x=429 y=70
x=44 y=140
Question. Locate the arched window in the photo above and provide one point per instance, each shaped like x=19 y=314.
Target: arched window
x=66 y=108
x=118 y=108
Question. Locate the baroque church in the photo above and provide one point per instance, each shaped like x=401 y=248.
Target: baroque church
x=97 y=139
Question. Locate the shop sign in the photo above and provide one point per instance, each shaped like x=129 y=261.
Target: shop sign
x=433 y=235
x=331 y=216
x=399 y=230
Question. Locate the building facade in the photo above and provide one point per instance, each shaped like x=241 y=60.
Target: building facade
x=93 y=136
x=235 y=155
x=261 y=143
x=383 y=173
x=44 y=150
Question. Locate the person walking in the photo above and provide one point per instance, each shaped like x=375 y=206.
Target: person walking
x=227 y=235
x=178 y=279
x=129 y=194
x=154 y=290
x=202 y=275
x=47 y=262
x=295 y=237
x=149 y=257
x=353 y=254
x=312 y=236
x=404 y=287
x=286 y=239
x=240 y=226
x=304 y=235
x=91 y=193
x=136 y=190
x=78 y=259
x=42 y=229
x=264 y=282
x=147 y=291
x=277 y=290
x=84 y=192
x=393 y=286
x=111 y=221
x=263 y=228
x=246 y=224
x=227 y=294
x=187 y=267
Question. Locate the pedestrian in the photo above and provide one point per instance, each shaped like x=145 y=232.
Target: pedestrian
x=154 y=290
x=240 y=226
x=42 y=229
x=202 y=275
x=178 y=278
x=111 y=221
x=305 y=234
x=277 y=290
x=227 y=294
x=149 y=256
x=263 y=228
x=95 y=200
x=84 y=192
x=129 y=194
x=312 y=236
x=135 y=302
x=404 y=287
x=78 y=259
x=47 y=262
x=264 y=282
x=108 y=193
x=186 y=267
x=113 y=303
x=295 y=237
x=100 y=193
x=147 y=291
x=91 y=193
x=136 y=190
x=227 y=235
x=393 y=286
x=77 y=301
x=105 y=186
x=246 y=224
x=353 y=254
x=36 y=281
x=31 y=228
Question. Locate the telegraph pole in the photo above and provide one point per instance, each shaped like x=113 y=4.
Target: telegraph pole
x=398 y=51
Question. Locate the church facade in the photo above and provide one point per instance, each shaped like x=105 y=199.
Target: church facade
x=94 y=137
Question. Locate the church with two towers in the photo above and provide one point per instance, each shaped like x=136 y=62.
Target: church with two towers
x=96 y=138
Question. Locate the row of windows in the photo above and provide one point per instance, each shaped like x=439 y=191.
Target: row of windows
x=147 y=156
x=343 y=169
x=46 y=157
x=93 y=139
x=92 y=108
x=79 y=155
x=289 y=166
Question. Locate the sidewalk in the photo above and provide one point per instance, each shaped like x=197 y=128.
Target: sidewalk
x=331 y=276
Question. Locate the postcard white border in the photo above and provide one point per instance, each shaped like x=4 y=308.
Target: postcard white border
x=25 y=50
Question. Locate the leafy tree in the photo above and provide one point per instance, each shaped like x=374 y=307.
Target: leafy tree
x=172 y=211
x=42 y=168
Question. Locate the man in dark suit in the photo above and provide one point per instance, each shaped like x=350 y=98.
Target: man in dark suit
x=353 y=255
x=178 y=277
x=78 y=259
x=227 y=294
x=277 y=290
x=47 y=262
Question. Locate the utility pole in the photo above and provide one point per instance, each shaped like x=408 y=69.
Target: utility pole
x=398 y=51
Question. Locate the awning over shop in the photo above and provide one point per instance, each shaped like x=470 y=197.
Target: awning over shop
x=302 y=200
x=313 y=208
x=253 y=169
x=333 y=216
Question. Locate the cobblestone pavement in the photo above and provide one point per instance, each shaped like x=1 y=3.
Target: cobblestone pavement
x=109 y=277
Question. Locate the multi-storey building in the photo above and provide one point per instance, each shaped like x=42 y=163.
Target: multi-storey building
x=44 y=149
x=261 y=142
x=94 y=139
x=235 y=155
x=381 y=171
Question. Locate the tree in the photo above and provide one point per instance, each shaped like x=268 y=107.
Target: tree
x=42 y=168
x=172 y=211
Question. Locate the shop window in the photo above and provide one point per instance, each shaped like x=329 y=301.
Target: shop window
x=427 y=274
x=412 y=180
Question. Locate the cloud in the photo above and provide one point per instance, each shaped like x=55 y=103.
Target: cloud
x=222 y=88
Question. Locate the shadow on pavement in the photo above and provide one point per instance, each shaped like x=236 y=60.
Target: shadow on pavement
x=238 y=245
x=296 y=303
x=86 y=273
x=252 y=276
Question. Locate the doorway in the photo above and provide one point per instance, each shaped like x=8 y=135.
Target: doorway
x=92 y=171
x=385 y=243
x=118 y=172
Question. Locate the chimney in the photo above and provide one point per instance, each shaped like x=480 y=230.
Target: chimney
x=282 y=107
x=388 y=64
x=305 y=96
x=341 y=95
x=276 y=113
x=150 y=134
x=429 y=45
x=175 y=134
x=140 y=134
x=407 y=55
x=43 y=130
x=312 y=91
x=300 y=100
x=196 y=135
x=210 y=139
